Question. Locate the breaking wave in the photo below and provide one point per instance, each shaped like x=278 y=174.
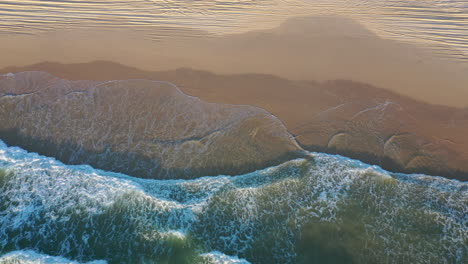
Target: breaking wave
x=326 y=209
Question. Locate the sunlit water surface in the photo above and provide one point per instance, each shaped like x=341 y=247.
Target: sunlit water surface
x=442 y=24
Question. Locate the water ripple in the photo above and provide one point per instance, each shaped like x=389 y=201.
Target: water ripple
x=442 y=24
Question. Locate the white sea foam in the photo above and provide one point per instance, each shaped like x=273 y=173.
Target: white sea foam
x=32 y=257
x=233 y=215
x=216 y=257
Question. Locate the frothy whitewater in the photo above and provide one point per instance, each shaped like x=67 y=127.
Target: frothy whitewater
x=318 y=210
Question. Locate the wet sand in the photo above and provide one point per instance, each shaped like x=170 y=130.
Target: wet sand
x=314 y=48
x=345 y=117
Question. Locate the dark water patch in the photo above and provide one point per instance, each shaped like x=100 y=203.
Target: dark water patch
x=327 y=243
x=4 y=175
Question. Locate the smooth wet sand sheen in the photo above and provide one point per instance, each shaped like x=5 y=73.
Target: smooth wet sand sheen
x=315 y=48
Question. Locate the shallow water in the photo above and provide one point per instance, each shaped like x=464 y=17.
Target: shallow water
x=331 y=210
x=442 y=24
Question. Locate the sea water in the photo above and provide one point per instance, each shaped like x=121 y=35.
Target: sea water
x=321 y=209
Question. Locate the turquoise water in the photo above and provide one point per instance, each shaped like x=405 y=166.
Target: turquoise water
x=323 y=209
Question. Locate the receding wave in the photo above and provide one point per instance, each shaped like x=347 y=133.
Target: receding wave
x=330 y=210
x=143 y=128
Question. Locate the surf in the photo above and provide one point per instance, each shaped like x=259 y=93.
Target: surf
x=341 y=208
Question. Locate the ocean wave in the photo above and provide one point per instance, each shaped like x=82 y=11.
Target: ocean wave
x=32 y=257
x=329 y=209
